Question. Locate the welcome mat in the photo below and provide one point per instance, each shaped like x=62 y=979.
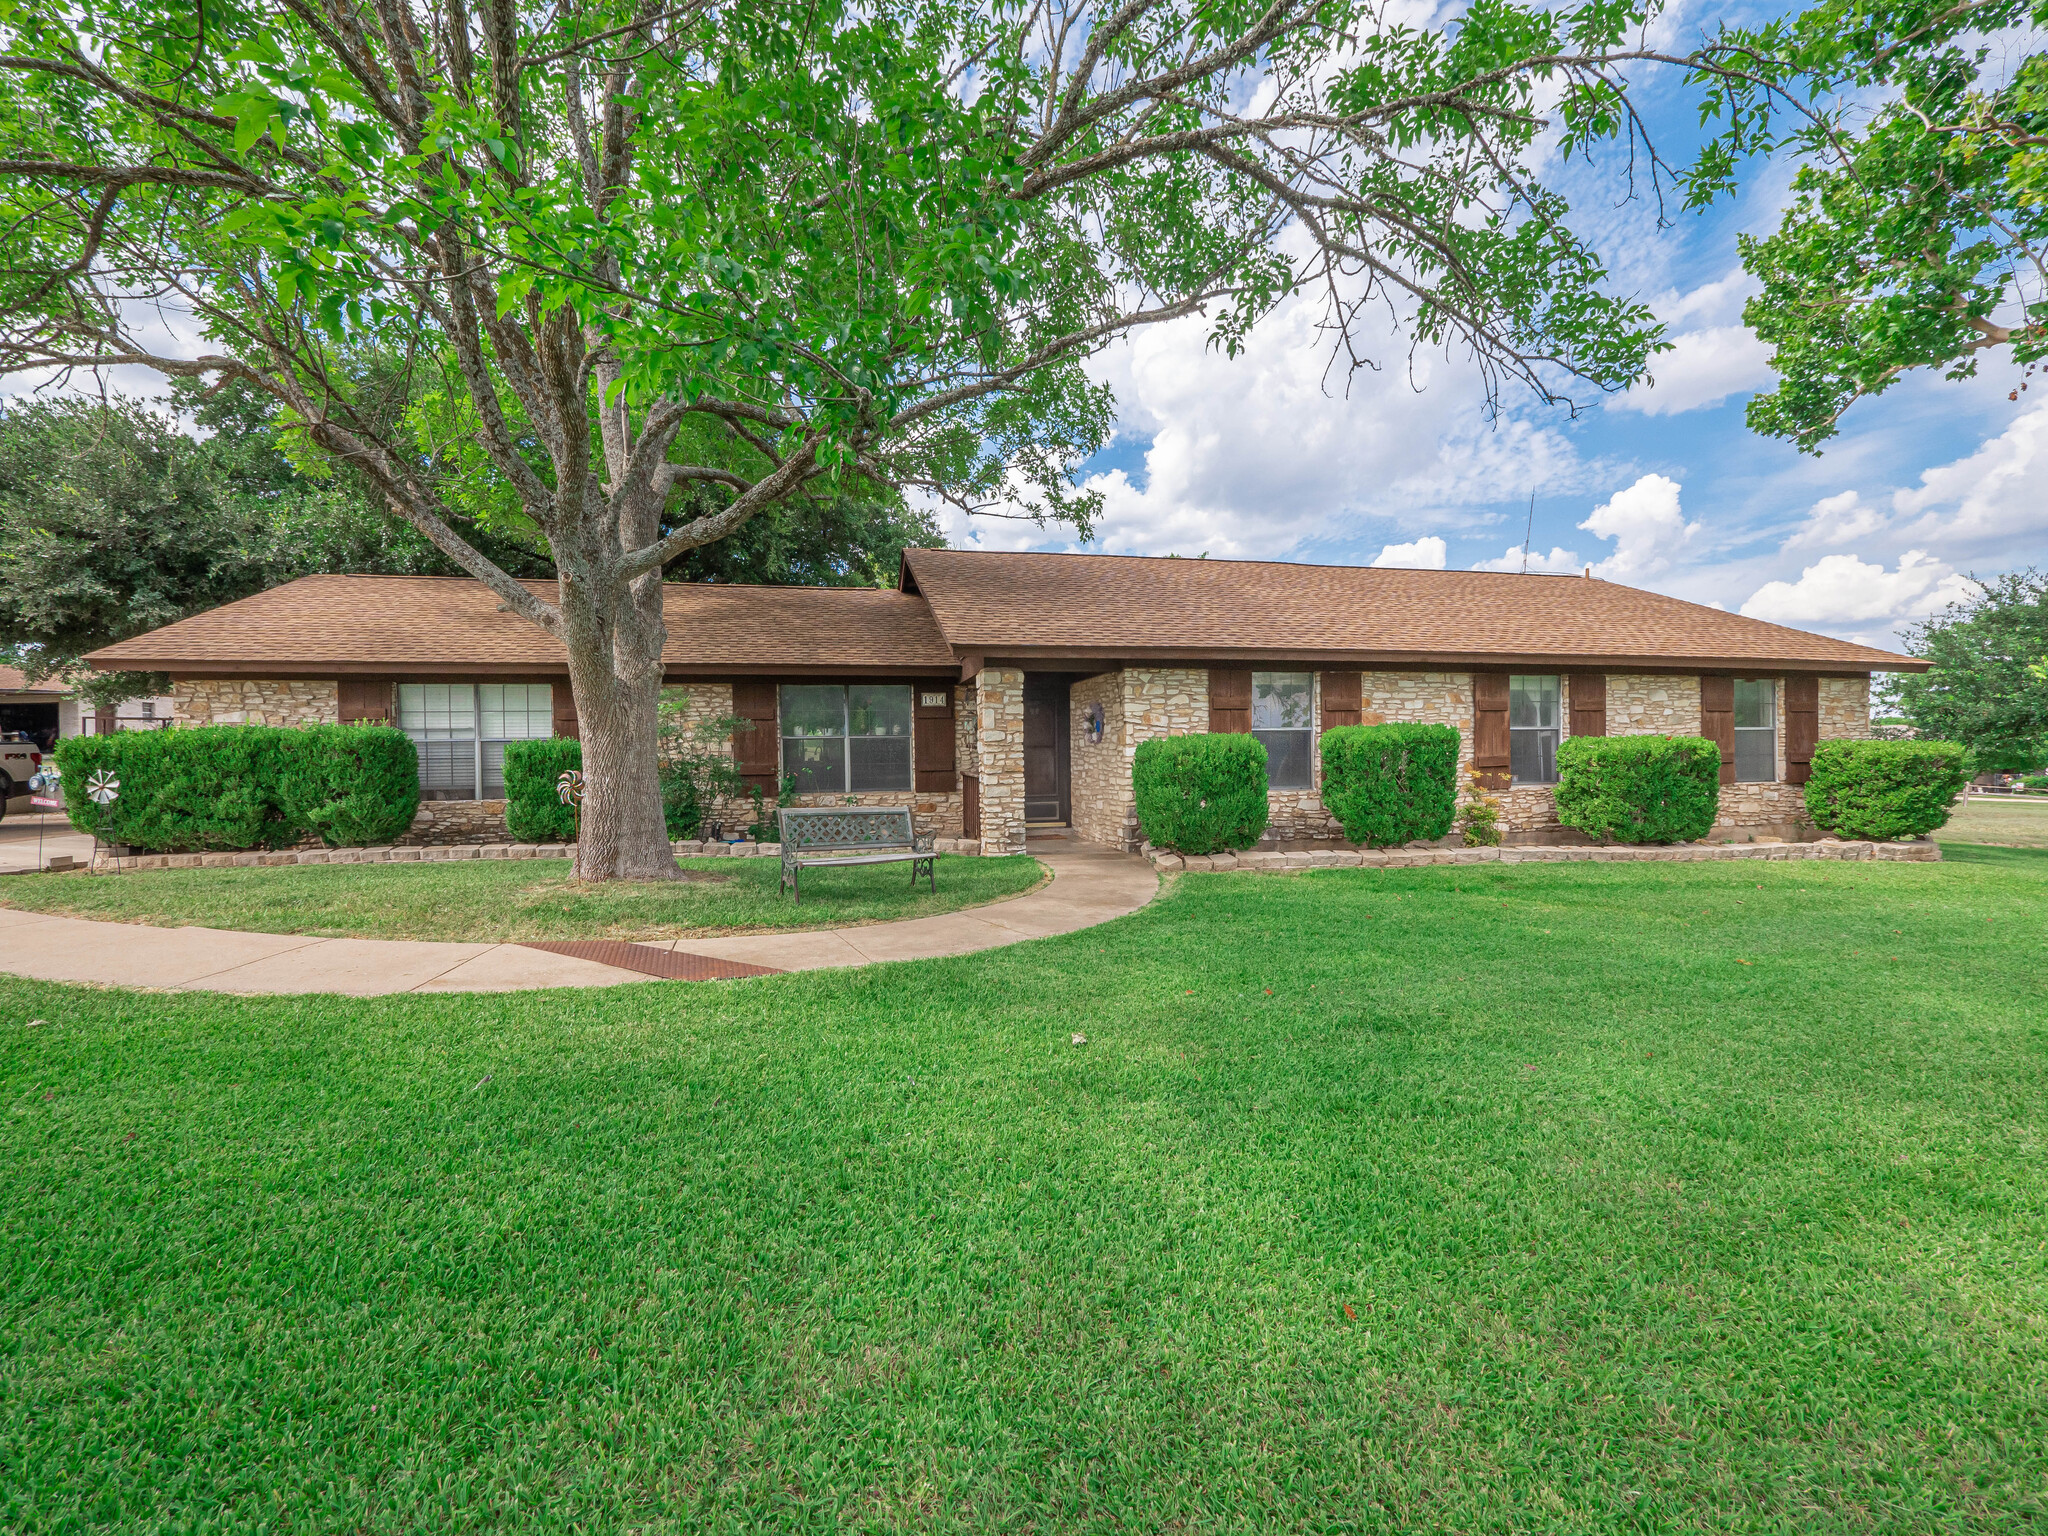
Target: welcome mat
x=668 y=964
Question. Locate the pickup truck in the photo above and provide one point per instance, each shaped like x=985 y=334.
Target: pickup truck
x=19 y=760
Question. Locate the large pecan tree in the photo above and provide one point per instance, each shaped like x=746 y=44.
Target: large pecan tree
x=665 y=265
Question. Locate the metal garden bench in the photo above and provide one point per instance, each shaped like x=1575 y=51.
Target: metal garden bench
x=813 y=839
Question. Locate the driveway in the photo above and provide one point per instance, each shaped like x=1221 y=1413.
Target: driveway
x=29 y=840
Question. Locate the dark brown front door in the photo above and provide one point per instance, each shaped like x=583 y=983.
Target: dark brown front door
x=1045 y=748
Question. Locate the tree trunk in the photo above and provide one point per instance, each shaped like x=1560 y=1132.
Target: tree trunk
x=615 y=668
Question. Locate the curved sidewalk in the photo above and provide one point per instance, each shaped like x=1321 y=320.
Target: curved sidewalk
x=1088 y=886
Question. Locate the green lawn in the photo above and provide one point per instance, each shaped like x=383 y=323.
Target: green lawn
x=510 y=899
x=1565 y=1198
x=2013 y=821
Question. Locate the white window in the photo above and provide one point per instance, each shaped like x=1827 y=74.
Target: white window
x=1756 y=731
x=1532 y=729
x=1283 y=717
x=461 y=730
x=841 y=739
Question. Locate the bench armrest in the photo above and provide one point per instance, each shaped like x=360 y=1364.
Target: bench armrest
x=923 y=842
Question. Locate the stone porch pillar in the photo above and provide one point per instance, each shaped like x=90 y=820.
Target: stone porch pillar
x=999 y=727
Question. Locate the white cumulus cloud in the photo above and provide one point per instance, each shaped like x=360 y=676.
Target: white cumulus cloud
x=1559 y=562
x=1845 y=518
x=1999 y=493
x=1702 y=368
x=1425 y=554
x=1841 y=589
x=1647 y=526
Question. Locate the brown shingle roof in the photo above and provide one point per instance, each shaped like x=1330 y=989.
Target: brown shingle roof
x=1015 y=604
x=342 y=625
x=12 y=680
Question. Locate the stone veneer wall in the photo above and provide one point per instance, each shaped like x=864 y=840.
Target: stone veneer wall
x=456 y=823
x=999 y=732
x=1844 y=708
x=1652 y=706
x=245 y=701
x=1139 y=703
x=1099 y=792
x=966 y=756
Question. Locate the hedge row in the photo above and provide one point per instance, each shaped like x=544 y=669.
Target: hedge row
x=225 y=787
x=534 y=812
x=1885 y=790
x=1639 y=789
x=1394 y=784
x=1391 y=784
x=1200 y=794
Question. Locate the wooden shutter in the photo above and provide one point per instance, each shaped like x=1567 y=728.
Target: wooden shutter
x=1588 y=692
x=365 y=703
x=756 y=752
x=1490 y=728
x=1341 y=699
x=1717 y=720
x=566 y=723
x=1802 y=726
x=970 y=805
x=931 y=736
x=1230 y=699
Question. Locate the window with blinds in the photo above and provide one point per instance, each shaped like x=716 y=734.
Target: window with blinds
x=1533 y=729
x=461 y=731
x=1756 y=730
x=1283 y=717
x=846 y=739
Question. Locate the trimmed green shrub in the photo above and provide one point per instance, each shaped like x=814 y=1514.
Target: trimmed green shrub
x=534 y=812
x=355 y=785
x=234 y=787
x=1880 y=790
x=1639 y=789
x=1201 y=794
x=1391 y=784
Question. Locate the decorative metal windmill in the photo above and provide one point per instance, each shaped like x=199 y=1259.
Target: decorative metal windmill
x=570 y=787
x=102 y=789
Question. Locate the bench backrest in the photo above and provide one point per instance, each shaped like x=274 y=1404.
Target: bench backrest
x=848 y=827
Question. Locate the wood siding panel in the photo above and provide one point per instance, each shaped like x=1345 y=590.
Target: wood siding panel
x=368 y=701
x=1342 y=696
x=1490 y=728
x=970 y=805
x=1230 y=700
x=1802 y=727
x=1717 y=720
x=757 y=751
x=1588 y=691
x=566 y=722
x=931 y=737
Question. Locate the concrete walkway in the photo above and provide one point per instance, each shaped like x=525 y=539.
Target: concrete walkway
x=1088 y=886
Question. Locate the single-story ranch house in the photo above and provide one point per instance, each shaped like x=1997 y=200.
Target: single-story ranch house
x=1000 y=691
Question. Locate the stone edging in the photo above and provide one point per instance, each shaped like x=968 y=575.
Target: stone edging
x=443 y=853
x=1925 y=851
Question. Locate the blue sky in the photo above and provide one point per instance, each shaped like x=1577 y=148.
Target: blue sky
x=1665 y=487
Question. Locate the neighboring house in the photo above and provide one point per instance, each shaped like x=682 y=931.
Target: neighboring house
x=995 y=690
x=46 y=711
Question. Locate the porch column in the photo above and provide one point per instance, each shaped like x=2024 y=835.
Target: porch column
x=999 y=727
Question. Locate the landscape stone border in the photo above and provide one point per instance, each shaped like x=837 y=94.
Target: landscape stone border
x=1922 y=852
x=107 y=864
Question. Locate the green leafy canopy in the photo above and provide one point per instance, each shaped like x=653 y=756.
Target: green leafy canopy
x=1918 y=233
